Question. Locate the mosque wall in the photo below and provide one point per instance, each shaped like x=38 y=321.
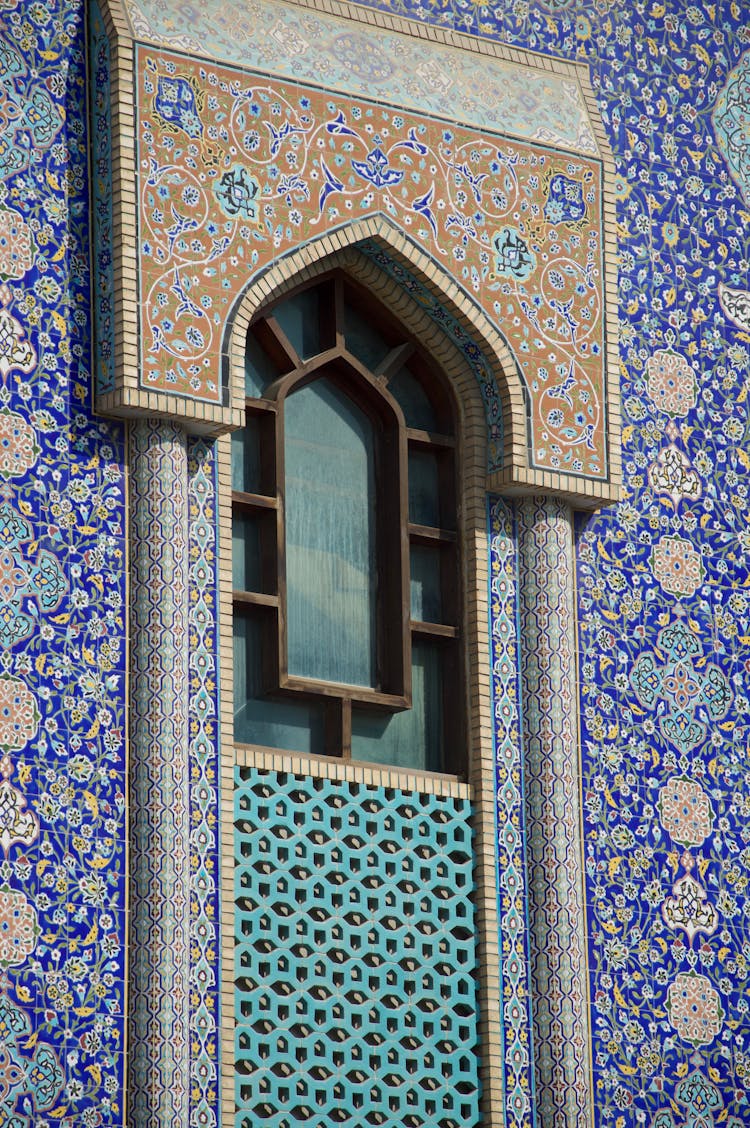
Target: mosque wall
x=661 y=589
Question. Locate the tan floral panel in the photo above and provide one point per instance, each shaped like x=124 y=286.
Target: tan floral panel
x=235 y=170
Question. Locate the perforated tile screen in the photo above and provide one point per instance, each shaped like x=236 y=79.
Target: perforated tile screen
x=355 y=959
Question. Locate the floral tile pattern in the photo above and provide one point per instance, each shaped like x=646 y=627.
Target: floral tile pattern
x=662 y=577
x=62 y=592
x=319 y=48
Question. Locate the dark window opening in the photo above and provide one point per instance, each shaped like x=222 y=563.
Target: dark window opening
x=345 y=557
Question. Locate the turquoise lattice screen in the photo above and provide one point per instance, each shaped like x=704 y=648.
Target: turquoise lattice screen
x=355 y=956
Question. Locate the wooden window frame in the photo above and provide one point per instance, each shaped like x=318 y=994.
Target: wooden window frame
x=394 y=538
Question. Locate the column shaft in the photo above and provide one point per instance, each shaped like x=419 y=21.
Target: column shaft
x=552 y=785
x=159 y=1044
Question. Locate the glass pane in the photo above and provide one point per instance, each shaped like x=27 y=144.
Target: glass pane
x=412 y=399
x=330 y=536
x=414 y=738
x=246 y=569
x=363 y=339
x=426 y=601
x=299 y=317
x=291 y=725
x=260 y=370
x=246 y=458
x=424 y=488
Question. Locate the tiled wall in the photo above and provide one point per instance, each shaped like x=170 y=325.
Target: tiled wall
x=662 y=580
x=663 y=577
x=62 y=607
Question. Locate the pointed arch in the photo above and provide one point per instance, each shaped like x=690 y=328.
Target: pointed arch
x=506 y=402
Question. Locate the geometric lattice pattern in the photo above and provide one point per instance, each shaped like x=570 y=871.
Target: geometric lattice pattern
x=203 y=753
x=553 y=839
x=356 y=999
x=512 y=876
x=160 y=920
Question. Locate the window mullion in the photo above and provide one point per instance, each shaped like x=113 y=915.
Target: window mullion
x=275 y=341
x=338 y=314
x=395 y=359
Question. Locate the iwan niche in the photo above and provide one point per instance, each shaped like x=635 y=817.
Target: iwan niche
x=243 y=155
x=233 y=135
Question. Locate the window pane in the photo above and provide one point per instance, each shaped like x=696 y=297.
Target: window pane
x=260 y=370
x=246 y=458
x=414 y=738
x=424 y=490
x=412 y=399
x=363 y=340
x=330 y=536
x=294 y=726
x=299 y=317
x=426 y=601
x=246 y=567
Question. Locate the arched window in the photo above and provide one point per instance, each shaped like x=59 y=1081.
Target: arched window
x=346 y=571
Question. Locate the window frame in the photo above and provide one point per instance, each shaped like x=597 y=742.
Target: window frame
x=394 y=539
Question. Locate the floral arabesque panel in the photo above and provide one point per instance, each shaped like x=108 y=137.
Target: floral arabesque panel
x=236 y=169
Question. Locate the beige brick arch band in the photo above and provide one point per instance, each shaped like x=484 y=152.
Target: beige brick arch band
x=340 y=248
